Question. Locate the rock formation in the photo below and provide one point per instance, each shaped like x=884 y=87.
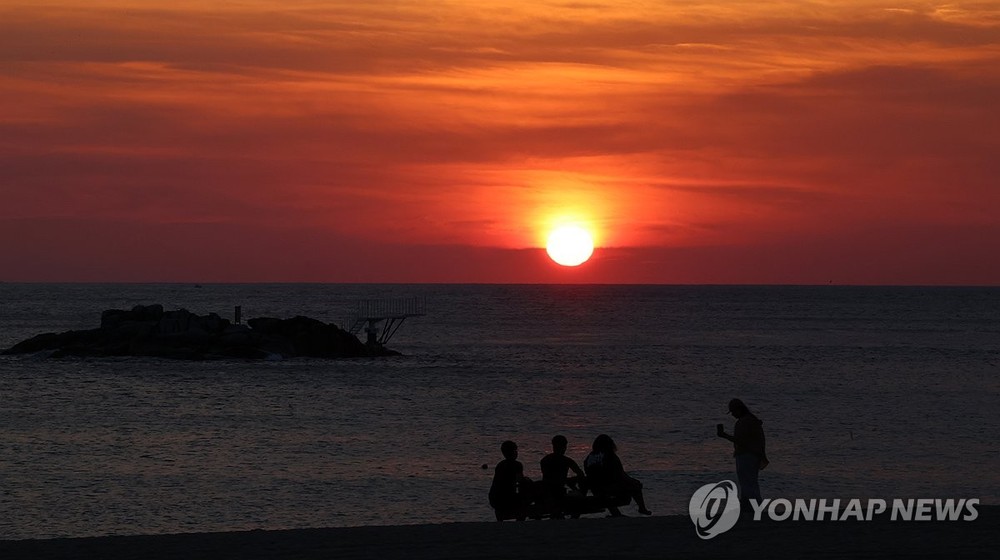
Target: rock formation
x=151 y=331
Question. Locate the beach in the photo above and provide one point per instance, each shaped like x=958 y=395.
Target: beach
x=143 y=446
x=654 y=537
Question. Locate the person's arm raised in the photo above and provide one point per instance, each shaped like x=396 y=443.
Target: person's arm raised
x=721 y=432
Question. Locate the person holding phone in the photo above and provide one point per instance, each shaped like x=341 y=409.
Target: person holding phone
x=748 y=448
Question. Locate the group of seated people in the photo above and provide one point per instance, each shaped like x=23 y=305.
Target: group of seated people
x=515 y=496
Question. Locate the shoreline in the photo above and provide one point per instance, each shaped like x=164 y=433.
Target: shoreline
x=631 y=537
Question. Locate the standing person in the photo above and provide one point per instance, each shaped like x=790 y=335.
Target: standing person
x=607 y=478
x=748 y=448
x=555 y=476
x=508 y=492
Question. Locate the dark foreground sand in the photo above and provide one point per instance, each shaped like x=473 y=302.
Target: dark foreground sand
x=655 y=537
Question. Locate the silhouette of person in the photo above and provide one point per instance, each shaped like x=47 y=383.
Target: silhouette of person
x=607 y=478
x=555 y=476
x=748 y=448
x=508 y=496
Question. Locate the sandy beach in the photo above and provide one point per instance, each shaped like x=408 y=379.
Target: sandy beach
x=654 y=537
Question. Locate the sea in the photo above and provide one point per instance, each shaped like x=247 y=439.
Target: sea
x=865 y=392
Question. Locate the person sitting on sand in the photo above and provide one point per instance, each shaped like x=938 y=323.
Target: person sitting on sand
x=555 y=476
x=607 y=478
x=509 y=496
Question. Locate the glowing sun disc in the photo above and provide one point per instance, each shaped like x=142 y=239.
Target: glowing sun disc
x=570 y=246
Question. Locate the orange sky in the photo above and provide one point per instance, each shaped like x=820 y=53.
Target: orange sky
x=418 y=141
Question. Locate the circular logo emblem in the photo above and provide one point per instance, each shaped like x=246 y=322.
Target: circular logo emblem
x=714 y=508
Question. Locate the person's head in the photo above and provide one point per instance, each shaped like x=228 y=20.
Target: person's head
x=604 y=444
x=509 y=449
x=559 y=445
x=737 y=408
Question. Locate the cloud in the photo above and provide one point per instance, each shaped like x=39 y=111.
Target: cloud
x=666 y=125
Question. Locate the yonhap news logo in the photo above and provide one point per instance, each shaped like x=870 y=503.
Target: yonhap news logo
x=715 y=509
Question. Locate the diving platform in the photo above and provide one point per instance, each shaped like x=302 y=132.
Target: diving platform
x=372 y=313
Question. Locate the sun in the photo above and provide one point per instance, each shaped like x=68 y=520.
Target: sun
x=570 y=245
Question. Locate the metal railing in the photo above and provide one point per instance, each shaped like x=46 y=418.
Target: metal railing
x=393 y=311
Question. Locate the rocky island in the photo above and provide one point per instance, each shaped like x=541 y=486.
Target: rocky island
x=152 y=332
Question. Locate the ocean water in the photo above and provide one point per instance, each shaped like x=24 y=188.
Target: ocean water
x=864 y=392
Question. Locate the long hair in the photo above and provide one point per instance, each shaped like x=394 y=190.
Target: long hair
x=604 y=444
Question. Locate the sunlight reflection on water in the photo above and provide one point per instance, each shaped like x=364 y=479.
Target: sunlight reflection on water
x=844 y=383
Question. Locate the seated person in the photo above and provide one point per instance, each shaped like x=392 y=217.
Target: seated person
x=555 y=476
x=509 y=493
x=607 y=478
